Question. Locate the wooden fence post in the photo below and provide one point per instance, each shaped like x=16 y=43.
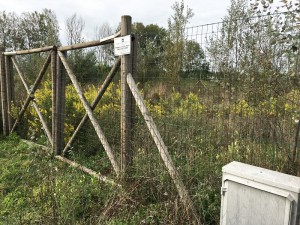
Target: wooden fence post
x=1 y=117
x=10 y=89
x=4 y=106
x=60 y=106
x=127 y=105
x=54 y=87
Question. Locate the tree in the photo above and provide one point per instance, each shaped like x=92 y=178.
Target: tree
x=285 y=20
x=242 y=54
x=194 y=63
x=74 y=28
x=30 y=30
x=83 y=62
x=9 y=25
x=175 y=41
x=105 y=53
x=235 y=39
x=150 y=54
x=27 y=31
x=254 y=50
x=286 y=33
x=39 y=29
x=85 y=67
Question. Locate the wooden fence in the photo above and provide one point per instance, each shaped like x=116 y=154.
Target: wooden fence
x=60 y=69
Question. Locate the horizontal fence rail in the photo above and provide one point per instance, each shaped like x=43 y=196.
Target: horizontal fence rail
x=103 y=41
x=30 y=51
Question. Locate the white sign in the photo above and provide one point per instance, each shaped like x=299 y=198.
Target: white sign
x=122 y=45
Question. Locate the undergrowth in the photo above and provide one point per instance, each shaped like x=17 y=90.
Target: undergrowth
x=36 y=188
x=203 y=132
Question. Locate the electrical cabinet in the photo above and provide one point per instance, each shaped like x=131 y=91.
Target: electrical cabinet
x=257 y=196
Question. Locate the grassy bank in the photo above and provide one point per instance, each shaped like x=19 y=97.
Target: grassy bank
x=36 y=188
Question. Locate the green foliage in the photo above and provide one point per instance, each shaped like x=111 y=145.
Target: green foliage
x=74 y=108
x=200 y=138
x=36 y=188
x=167 y=53
x=105 y=53
x=39 y=29
x=151 y=47
x=30 y=30
x=26 y=31
x=284 y=31
x=175 y=42
x=258 y=48
x=194 y=63
x=176 y=106
x=9 y=23
x=85 y=66
x=205 y=124
x=74 y=28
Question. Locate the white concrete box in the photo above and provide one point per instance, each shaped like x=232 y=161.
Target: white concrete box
x=257 y=196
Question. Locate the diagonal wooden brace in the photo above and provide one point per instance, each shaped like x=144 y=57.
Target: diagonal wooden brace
x=30 y=96
x=162 y=148
x=89 y=111
x=100 y=93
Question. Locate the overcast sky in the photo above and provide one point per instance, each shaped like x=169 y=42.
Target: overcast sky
x=97 y=12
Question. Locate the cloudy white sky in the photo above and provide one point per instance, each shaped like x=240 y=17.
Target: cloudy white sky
x=97 y=12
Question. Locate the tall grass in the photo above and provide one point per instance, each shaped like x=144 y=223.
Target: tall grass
x=205 y=125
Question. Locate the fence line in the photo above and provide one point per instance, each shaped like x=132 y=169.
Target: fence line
x=162 y=148
x=100 y=93
x=91 y=115
x=60 y=72
x=3 y=94
x=30 y=97
x=236 y=100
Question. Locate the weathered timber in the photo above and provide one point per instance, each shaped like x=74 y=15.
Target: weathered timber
x=294 y=168
x=4 y=106
x=10 y=85
x=32 y=91
x=89 y=111
x=40 y=115
x=92 y=173
x=54 y=87
x=162 y=148
x=30 y=51
x=126 y=103
x=60 y=105
x=98 y=176
x=100 y=93
x=16 y=65
x=104 y=41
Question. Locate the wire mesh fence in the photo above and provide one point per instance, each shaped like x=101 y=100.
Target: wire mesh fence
x=226 y=91
x=235 y=97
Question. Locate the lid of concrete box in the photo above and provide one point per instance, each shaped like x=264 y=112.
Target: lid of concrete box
x=264 y=176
